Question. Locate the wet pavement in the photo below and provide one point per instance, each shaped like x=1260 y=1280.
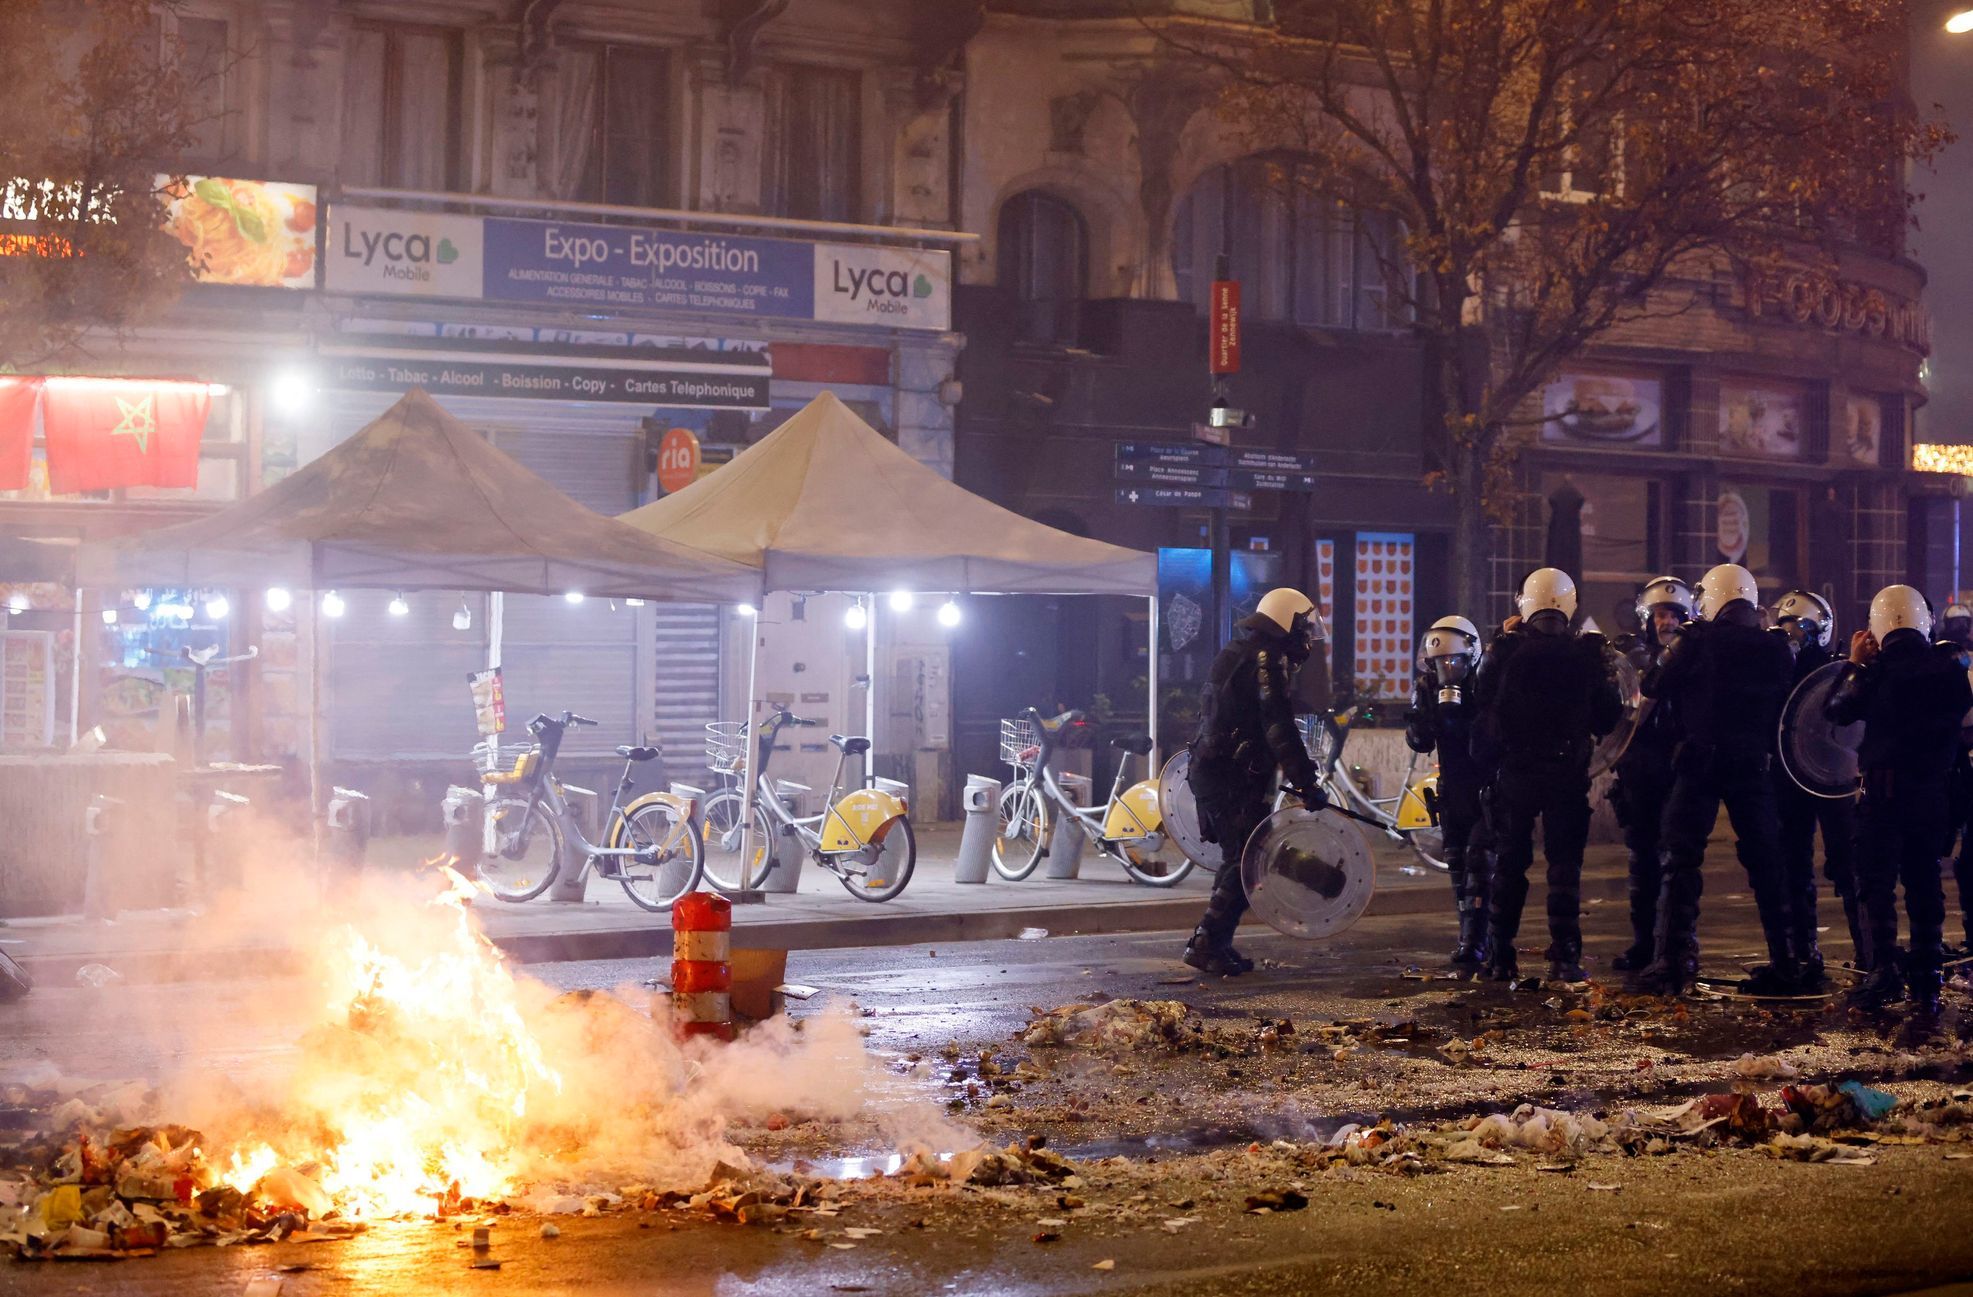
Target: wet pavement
x=1373 y=1034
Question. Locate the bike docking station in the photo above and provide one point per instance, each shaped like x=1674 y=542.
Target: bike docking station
x=981 y=802
x=1066 y=843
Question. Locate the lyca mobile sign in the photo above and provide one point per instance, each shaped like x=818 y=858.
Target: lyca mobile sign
x=625 y=268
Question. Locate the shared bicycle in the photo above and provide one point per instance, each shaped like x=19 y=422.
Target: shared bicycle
x=1128 y=827
x=650 y=844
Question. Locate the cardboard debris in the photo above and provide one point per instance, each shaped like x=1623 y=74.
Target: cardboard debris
x=1115 y=1025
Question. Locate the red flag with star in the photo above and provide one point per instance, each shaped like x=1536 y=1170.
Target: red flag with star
x=17 y=398
x=104 y=433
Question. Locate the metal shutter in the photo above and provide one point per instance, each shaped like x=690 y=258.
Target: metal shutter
x=686 y=694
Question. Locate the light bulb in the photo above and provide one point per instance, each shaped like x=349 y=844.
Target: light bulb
x=109 y=616
x=463 y=619
x=855 y=618
x=182 y=611
x=747 y=610
x=16 y=602
x=333 y=605
x=142 y=599
x=217 y=606
x=901 y=600
x=949 y=614
x=280 y=599
x=290 y=391
x=573 y=596
x=633 y=603
x=1960 y=23
x=398 y=608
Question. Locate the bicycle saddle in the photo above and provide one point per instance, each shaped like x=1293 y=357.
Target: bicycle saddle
x=851 y=747
x=639 y=754
x=1136 y=744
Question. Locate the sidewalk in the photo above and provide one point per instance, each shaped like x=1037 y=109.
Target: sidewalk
x=156 y=946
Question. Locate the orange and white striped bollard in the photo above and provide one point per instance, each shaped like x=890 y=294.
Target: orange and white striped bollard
x=701 y=976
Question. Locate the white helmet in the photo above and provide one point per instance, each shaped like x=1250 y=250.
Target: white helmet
x=1899 y=607
x=1956 y=609
x=1662 y=592
x=1450 y=637
x=1725 y=584
x=1546 y=589
x=1284 y=605
x=1812 y=611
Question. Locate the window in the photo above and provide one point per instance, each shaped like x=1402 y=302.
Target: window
x=197 y=47
x=1298 y=256
x=816 y=144
x=1043 y=254
x=608 y=139
x=401 y=107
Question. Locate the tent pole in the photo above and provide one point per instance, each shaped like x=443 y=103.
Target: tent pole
x=750 y=745
x=75 y=673
x=1151 y=687
x=870 y=691
x=496 y=634
x=317 y=808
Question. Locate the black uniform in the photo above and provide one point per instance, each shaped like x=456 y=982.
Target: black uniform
x=1246 y=735
x=1911 y=700
x=1801 y=814
x=1543 y=700
x=1962 y=794
x=1447 y=727
x=1643 y=784
x=1728 y=680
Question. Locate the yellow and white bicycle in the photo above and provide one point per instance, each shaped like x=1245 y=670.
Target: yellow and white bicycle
x=1127 y=827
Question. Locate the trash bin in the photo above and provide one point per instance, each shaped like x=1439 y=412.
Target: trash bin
x=229 y=841
x=462 y=810
x=97 y=820
x=346 y=822
x=981 y=802
x=1066 y=844
x=789 y=852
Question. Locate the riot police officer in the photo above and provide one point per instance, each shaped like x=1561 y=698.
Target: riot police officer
x=1807 y=625
x=1644 y=771
x=1912 y=697
x=1728 y=679
x=1956 y=629
x=1246 y=738
x=1545 y=694
x=1441 y=720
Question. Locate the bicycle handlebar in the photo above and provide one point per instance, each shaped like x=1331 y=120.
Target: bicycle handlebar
x=568 y=719
x=782 y=716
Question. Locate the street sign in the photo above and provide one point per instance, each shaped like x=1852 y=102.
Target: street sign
x=1152 y=470
x=1211 y=435
x=1169 y=452
x=1247 y=479
x=1223 y=346
x=1273 y=461
x=1184 y=496
x=678 y=459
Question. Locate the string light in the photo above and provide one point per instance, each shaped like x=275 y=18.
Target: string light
x=856 y=618
x=949 y=613
x=280 y=599
x=399 y=608
x=1937 y=457
x=901 y=600
x=463 y=619
x=333 y=605
x=217 y=606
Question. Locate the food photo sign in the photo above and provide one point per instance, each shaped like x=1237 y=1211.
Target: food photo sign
x=1602 y=409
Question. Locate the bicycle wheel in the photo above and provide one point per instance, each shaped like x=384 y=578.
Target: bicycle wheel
x=885 y=876
x=14 y=980
x=670 y=856
x=527 y=855
x=1023 y=833
x=1154 y=860
x=1428 y=845
x=722 y=844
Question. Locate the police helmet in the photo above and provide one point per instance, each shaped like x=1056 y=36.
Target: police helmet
x=1728 y=583
x=1811 y=612
x=1899 y=607
x=1547 y=589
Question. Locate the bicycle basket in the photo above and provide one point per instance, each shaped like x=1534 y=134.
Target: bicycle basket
x=1019 y=744
x=726 y=746
x=522 y=769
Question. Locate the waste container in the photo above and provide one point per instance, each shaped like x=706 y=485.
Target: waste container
x=1066 y=844
x=97 y=820
x=230 y=841
x=462 y=810
x=346 y=822
x=981 y=802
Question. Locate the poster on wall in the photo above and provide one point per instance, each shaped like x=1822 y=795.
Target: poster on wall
x=489 y=700
x=1325 y=597
x=1735 y=528
x=1765 y=420
x=1863 y=429
x=257 y=233
x=27 y=689
x=1585 y=409
x=1385 y=586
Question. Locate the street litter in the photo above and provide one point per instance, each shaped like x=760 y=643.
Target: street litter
x=97 y=976
x=1770 y=1068
x=795 y=991
x=1031 y=934
x=1115 y=1024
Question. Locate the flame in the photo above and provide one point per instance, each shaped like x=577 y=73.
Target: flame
x=421 y=1086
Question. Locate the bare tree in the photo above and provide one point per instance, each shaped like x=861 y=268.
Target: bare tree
x=1563 y=167
x=98 y=104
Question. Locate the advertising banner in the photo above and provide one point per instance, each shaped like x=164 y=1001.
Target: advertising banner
x=626 y=269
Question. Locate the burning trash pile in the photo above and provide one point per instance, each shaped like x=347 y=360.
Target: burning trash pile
x=429 y=1081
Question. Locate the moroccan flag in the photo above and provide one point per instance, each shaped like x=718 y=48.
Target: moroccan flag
x=105 y=432
x=17 y=398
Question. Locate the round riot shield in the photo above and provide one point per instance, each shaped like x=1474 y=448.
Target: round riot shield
x=1181 y=812
x=1817 y=753
x=1307 y=873
x=1630 y=687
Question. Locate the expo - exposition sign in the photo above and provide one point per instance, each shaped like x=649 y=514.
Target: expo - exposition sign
x=625 y=268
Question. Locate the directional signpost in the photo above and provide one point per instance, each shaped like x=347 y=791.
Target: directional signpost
x=1217 y=474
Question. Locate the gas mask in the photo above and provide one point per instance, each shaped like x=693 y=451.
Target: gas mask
x=1301 y=640
x=1449 y=674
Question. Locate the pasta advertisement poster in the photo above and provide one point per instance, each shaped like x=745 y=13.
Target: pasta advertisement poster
x=256 y=233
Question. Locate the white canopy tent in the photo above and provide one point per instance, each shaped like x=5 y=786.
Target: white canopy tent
x=826 y=503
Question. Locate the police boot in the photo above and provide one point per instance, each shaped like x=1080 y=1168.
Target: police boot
x=1643 y=923
x=1674 y=962
x=1925 y=972
x=1214 y=957
x=1565 y=962
x=1502 y=964
x=1859 y=935
x=1473 y=949
x=1883 y=985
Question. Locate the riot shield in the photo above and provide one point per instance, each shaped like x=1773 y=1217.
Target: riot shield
x=1817 y=753
x=1308 y=873
x=1180 y=812
x=1630 y=686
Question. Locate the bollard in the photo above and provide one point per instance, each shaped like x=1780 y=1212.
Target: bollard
x=701 y=974
x=787 y=849
x=347 y=820
x=1066 y=844
x=97 y=820
x=462 y=809
x=572 y=883
x=229 y=837
x=981 y=802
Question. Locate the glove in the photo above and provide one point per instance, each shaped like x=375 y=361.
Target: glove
x=1313 y=797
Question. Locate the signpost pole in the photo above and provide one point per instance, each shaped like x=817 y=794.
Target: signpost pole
x=1222 y=358
x=1151 y=688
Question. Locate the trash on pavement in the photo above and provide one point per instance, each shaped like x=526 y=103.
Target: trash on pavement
x=97 y=976
x=1115 y=1024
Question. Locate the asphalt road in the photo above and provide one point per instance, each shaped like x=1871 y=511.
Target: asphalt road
x=1700 y=1223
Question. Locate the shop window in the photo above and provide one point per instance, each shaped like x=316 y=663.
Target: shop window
x=815 y=139
x=141 y=669
x=221 y=471
x=1384 y=590
x=1761 y=528
x=1043 y=254
x=1299 y=257
x=1606 y=530
x=401 y=107
x=607 y=138
x=1590 y=165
